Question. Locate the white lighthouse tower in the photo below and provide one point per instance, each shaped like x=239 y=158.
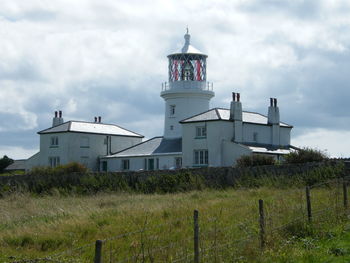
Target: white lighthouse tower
x=187 y=92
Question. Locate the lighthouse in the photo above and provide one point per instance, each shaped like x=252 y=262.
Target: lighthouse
x=187 y=91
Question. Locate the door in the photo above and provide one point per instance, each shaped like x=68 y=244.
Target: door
x=150 y=164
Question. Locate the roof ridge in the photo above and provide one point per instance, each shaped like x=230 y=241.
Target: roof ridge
x=197 y=115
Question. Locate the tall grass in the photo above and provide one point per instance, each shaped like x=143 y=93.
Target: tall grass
x=159 y=228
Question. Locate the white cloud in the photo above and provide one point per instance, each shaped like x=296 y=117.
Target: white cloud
x=17 y=152
x=335 y=143
x=108 y=58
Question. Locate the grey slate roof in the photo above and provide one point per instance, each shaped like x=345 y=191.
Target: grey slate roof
x=217 y=114
x=90 y=127
x=154 y=146
x=16 y=165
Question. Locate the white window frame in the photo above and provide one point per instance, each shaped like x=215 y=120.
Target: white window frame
x=201 y=131
x=54 y=161
x=172 y=110
x=54 y=141
x=125 y=164
x=255 y=137
x=201 y=157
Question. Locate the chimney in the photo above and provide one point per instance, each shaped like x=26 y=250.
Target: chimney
x=55 y=120
x=95 y=119
x=273 y=118
x=99 y=119
x=236 y=117
x=60 y=119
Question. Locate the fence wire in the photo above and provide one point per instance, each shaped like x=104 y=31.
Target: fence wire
x=172 y=241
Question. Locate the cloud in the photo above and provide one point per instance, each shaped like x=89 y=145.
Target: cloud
x=333 y=142
x=108 y=59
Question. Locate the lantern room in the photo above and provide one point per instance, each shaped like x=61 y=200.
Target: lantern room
x=187 y=65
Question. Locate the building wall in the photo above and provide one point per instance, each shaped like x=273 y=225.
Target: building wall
x=84 y=148
x=187 y=102
x=137 y=163
x=218 y=141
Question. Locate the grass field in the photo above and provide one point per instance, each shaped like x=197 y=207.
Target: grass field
x=159 y=228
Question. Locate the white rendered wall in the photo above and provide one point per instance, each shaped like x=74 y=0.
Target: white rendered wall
x=222 y=151
x=188 y=102
x=70 y=148
x=216 y=132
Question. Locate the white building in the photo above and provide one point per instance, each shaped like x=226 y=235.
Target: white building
x=78 y=141
x=193 y=134
x=196 y=136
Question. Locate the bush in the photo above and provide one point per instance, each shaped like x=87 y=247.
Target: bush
x=4 y=162
x=254 y=160
x=305 y=155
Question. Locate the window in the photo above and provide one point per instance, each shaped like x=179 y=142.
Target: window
x=172 y=110
x=84 y=142
x=126 y=164
x=171 y=127
x=201 y=132
x=104 y=166
x=255 y=137
x=178 y=162
x=54 y=141
x=200 y=157
x=54 y=161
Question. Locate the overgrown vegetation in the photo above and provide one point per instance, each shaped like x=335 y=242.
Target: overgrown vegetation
x=76 y=179
x=4 y=162
x=254 y=160
x=305 y=155
x=34 y=227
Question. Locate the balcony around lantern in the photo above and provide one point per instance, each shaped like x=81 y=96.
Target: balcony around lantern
x=187 y=85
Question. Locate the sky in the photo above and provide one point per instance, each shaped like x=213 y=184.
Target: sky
x=108 y=58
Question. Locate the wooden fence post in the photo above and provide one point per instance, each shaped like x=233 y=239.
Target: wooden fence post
x=308 y=204
x=98 y=251
x=345 y=194
x=262 y=224
x=196 y=236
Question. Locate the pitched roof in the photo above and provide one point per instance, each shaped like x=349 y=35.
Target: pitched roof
x=16 y=165
x=217 y=114
x=154 y=146
x=90 y=127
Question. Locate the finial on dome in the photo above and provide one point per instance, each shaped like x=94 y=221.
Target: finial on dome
x=187 y=37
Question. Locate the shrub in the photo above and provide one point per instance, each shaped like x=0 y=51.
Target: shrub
x=305 y=155
x=4 y=162
x=254 y=160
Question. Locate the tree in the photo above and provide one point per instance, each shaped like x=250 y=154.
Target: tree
x=4 y=162
x=305 y=155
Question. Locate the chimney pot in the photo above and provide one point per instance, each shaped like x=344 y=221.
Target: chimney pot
x=233 y=96
x=55 y=114
x=238 y=96
x=95 y=119
x=275 y=102
x=99 y=119
x=60 y=114
x=271 y=102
